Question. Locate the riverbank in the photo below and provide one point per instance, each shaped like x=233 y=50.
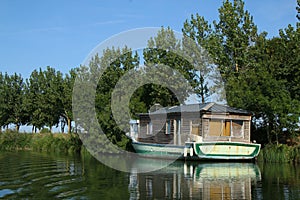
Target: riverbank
x=47 y=142
x=280 y=153
x=71 y=143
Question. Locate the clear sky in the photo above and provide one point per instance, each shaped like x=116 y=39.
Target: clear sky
x=61 y=33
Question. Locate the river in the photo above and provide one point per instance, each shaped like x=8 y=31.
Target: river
x=32 y=175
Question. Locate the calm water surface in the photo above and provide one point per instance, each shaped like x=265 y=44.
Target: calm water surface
x=29 y=175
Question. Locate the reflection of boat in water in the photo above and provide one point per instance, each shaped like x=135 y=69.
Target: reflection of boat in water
x=216 y=171
x=190 y=180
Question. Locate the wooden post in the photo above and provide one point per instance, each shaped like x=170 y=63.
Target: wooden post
x=179 y=138
x=191 y=126
x=175 y=132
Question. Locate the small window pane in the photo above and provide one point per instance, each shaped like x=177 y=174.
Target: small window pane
x=237 y=128
x=215 y=128
x=168 y=127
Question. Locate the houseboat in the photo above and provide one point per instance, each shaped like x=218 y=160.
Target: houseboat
x=194 y=132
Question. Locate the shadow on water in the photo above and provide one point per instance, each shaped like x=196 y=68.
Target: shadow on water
x=29 y=175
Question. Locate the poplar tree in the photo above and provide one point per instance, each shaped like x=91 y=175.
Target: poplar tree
x=260 y=74
x=66 y=97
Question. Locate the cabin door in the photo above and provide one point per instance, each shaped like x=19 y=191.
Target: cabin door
x=226 y=128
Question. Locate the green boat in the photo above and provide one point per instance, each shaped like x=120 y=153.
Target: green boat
x=194 y=132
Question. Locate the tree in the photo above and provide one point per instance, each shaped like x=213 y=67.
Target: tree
x=186 y=64
x=160 y=50
x=32 y=99
x=15 y=101
x=65 y=94
x=44 y=89
x=12 y=109
x=229 y=40
x=4 y=114
x=254 y=69
x=114 y=64
x=298 y=9
x=52 y=104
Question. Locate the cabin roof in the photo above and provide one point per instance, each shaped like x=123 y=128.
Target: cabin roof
x=202 y=107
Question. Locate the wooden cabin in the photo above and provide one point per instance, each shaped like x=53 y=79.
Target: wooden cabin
x=195 y=122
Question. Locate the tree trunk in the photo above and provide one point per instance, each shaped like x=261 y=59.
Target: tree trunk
x=202 y=99
x=69 y=125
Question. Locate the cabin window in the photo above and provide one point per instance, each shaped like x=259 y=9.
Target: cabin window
x=168 y=127
x=149 y=128
x=237 y=128
x=134 y=128
x=227 y=128
x=217 y=128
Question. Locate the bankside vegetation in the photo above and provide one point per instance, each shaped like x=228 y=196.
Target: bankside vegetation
x=259 y=73
x=46 y=142
x=280 y=154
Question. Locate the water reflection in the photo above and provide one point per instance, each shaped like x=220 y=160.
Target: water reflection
x=29 y=175
x=41 y=176
x=192 y=180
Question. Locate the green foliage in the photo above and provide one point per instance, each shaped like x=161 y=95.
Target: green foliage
x=44 y=99
x=183 y=57
x=12 y=107
x=298 y=9
x=260 y=74
x=47 y=142
x=45 y=130
x=116 y=63
x=160 y=50
x=10 y=140
x=66 y=93
x=279 y=153
x=228 y=39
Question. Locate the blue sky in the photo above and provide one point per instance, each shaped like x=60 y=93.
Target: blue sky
x=61 y=33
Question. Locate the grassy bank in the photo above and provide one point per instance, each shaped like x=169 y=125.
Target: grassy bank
x=11 y=141
x=71 y=143
x=48 y=142
x=280 y=153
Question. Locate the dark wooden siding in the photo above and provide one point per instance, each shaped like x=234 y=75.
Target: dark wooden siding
x=188 y=120
x=158 y=129
x=200 y=127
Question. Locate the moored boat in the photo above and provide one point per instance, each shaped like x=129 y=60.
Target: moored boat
x=195 y=131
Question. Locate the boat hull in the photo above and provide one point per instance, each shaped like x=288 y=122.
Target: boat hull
x=199 y=151
x=158 y=150
x=226 y=150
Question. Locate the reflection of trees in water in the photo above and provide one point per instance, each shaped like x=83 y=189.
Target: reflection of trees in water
x=200 y=181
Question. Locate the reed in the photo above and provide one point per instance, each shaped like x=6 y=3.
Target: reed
x=10 y=141
x=280 y=153
x=58 y=142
